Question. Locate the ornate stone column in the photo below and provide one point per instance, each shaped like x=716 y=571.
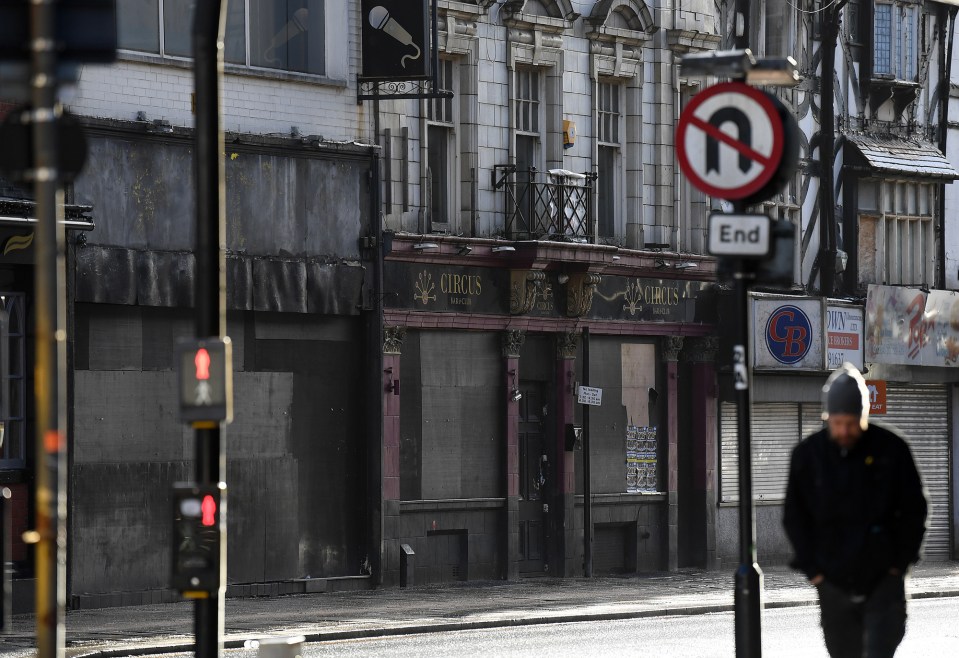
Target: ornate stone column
x=392 y=345
x=670 y=349
x=565 y=551
x=512 y=345
x=701 y=355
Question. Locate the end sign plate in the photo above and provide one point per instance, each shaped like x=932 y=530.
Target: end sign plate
x=742 y=236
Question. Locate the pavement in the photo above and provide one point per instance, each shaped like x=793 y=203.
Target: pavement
x=151 y=629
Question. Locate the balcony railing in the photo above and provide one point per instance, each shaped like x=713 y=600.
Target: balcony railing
x=546 y=205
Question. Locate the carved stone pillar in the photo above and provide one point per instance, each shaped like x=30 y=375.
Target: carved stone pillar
x=670 y=348
x=700 y=353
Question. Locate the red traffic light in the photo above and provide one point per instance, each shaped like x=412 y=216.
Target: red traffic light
x=202 y=363
x=208 y=511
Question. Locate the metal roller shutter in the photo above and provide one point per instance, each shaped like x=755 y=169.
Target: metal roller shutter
x=921 y=413
x=775 y=431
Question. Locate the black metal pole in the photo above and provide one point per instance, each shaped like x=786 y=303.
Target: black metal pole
x=748 y=594
x=50 y=314
x=748 y=579
x=210 y=298
x=587 y=486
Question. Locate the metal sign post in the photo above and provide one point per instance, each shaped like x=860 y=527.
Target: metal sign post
x=738 y=143
x=208 y=27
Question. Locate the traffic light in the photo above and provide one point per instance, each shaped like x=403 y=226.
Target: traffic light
x=199 y=546
x=206 y=380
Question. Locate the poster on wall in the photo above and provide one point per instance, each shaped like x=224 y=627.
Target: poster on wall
x=787 y=333
x=907 y=326
x=844 y=329
x=894 y=318
x=940 y=329
x=641 y=460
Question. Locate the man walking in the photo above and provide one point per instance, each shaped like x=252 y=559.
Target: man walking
x=855 y=513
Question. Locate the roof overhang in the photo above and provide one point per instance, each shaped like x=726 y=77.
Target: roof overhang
x=895 y=155
x=22 y=212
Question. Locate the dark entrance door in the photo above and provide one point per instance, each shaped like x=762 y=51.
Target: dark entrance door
x=534 y=478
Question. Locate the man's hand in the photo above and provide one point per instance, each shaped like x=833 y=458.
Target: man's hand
x=817 y=580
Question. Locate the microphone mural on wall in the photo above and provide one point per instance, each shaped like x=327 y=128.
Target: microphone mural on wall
x=380 y=20
x=396 y=40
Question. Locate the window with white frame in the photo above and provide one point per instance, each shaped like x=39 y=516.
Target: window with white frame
x=286 y=35
x=440 y=154
x=608 y=169
x=897 y=243
x=528 y=109
x=895 y=43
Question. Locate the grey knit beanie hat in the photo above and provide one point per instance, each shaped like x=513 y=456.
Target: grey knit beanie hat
x=845 y=392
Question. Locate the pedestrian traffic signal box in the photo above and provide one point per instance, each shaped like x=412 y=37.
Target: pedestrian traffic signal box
x=199 y=546
x=206 y=380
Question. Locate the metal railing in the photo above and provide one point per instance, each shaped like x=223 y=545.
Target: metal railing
x=556 y=204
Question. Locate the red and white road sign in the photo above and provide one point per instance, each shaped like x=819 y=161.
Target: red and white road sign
x=730 y=140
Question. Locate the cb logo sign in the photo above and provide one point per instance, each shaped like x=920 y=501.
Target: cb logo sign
x=788 y=333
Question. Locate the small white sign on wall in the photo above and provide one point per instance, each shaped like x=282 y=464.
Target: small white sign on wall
x=589 y=395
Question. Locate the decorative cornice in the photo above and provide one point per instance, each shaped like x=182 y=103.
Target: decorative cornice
x=701 y=350
x=393 y=339
x=579 y=293
x=567 y=344
x=671 y=347
x=513 y=340
x=691 y=41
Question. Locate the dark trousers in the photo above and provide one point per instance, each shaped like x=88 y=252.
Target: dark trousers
x=864 y=627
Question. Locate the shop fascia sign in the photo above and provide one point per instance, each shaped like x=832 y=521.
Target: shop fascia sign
x=804 y=333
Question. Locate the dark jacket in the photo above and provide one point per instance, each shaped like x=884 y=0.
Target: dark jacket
x=854 y=515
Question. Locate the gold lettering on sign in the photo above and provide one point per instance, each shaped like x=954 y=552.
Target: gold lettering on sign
x=658 y=297
x=461 y=284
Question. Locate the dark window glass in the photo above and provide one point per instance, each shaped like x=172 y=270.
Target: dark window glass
x=438 y=172
x=138 y=25
x=178 y=29
x=235 y=46
x=178 y=26
x=606 y=190
x=288 y=34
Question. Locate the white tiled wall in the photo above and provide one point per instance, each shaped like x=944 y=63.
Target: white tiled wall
x=251 y=103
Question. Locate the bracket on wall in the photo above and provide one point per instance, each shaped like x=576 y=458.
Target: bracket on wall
x=579 y=295
x=525 y=287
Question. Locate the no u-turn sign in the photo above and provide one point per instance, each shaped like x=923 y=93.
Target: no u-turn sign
x=730 y=140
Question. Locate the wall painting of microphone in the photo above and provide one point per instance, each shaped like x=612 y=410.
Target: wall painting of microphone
x=396 y=39
x=380 y=20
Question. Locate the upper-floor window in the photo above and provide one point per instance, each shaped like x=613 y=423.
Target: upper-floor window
x=897 y=241
x=440 y=150
x=895 y=46
x=527 y=101
x=288 y=35
x=608 y=167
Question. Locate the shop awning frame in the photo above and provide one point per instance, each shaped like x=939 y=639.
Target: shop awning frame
x=909 y=158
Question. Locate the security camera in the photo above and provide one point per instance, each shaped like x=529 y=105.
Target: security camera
x=516 y=396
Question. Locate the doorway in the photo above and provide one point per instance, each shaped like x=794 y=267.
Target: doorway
x=535 y=478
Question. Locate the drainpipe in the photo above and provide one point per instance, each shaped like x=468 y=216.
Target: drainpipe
x=944 y=83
